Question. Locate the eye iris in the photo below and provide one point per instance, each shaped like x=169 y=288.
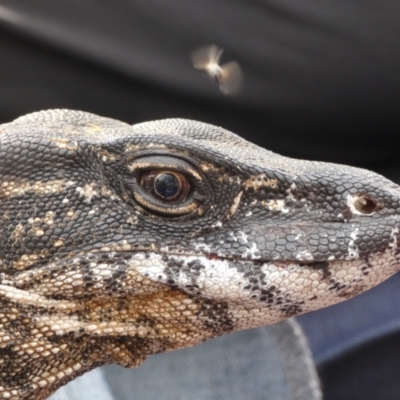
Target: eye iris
x=167 y=185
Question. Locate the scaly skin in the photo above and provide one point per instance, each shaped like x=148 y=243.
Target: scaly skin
x=97 y=268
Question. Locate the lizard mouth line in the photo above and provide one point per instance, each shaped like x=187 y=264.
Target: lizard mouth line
x=217 y=257
x=319 y=263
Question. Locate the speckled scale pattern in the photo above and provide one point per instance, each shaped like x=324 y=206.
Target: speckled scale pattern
x=94 y=270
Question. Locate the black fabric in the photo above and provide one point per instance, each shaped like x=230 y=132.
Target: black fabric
x=321 y=81
x=321 y=78
x=368 y=372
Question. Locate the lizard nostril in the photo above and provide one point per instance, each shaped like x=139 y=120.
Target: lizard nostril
x=364 y=205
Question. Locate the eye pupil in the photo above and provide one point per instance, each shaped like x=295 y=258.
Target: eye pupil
x=167 y=185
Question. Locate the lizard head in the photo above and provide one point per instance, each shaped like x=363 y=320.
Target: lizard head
x=120 y=241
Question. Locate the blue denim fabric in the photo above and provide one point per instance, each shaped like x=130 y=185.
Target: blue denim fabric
x=337 y=329
x=263 y=363
x=91 y=386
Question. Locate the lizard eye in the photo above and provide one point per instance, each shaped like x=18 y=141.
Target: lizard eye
x=168 y=186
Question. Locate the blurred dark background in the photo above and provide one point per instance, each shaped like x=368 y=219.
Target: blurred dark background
x=321 y=81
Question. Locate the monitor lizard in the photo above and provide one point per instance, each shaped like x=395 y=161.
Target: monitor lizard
x=122 y=241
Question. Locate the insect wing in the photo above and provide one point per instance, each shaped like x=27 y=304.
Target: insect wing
x=231 y=78
x=205 y=56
